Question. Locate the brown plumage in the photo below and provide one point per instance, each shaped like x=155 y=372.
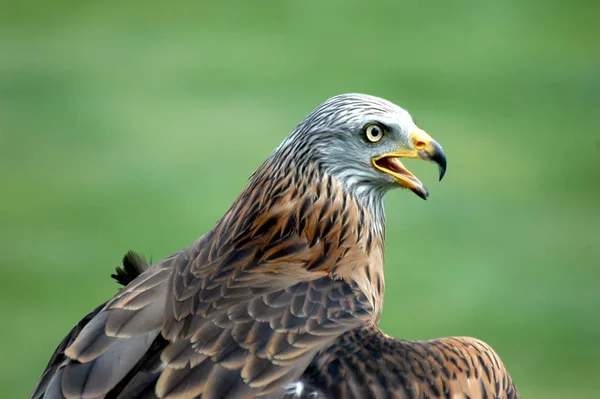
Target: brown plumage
x=366 y=363
x=296 y=262
x=246 y=320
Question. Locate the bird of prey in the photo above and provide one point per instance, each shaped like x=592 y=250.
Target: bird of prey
x=295 y=263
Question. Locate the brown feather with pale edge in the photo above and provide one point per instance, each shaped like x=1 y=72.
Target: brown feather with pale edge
x=366 y=363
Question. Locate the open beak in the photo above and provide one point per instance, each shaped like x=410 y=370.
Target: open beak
x=425 y=148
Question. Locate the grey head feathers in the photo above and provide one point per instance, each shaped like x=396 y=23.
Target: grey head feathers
x=332 y=137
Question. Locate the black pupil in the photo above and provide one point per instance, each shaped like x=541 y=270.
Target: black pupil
x=375 y=132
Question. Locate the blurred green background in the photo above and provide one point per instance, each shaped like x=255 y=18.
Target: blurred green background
x=134 y=126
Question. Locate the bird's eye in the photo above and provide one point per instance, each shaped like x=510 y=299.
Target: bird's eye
x=374 y=133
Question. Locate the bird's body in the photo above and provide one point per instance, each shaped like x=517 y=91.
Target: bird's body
x=295 y=263
x=361 y=363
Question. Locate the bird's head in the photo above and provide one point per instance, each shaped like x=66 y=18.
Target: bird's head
x=360 y=140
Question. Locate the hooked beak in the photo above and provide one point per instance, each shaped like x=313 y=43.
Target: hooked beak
x=425 y=148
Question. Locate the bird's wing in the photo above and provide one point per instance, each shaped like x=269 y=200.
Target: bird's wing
x=133 y=266
x=234 y=315
x=366 y=363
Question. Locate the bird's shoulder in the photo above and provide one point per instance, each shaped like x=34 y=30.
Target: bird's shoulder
x=273 y=237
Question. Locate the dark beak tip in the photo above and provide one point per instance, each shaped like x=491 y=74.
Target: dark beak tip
x=439 y=157
x=421 y=192
x=442 y=170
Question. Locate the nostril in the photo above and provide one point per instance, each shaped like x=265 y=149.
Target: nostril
x=420 y=145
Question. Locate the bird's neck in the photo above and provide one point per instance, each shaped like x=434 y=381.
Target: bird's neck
x=330 y=230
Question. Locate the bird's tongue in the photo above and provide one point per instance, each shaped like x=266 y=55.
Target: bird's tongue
x=396 y=166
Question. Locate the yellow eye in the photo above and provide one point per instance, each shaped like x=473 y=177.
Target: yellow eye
x=374 y=133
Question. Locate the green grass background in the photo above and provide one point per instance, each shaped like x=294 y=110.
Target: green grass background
x=135 y=125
